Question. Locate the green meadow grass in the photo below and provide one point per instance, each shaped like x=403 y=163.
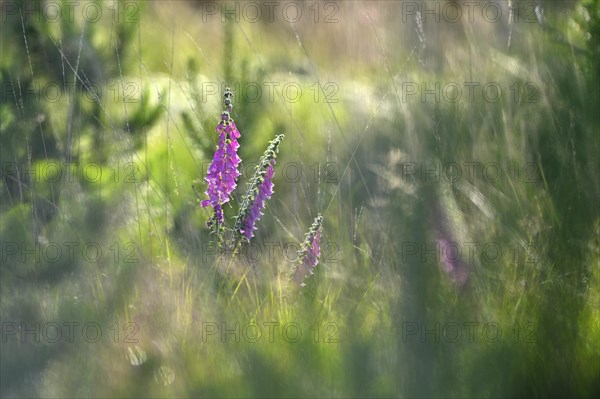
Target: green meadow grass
x=380 y=317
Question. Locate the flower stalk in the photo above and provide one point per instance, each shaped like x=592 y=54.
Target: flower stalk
x=223 y=171
x=309 y=253
x=260 y=189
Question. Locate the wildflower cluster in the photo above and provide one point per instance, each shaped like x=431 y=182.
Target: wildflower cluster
x=222 y=181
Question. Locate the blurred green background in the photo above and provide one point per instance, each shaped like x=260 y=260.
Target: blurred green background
x=108 y=116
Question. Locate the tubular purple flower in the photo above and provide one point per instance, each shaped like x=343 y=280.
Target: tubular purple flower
x=451 y=259
x=452 y=264
x=313 y=251
x=265 y=191
x=260 y=190
x=223 y=171
x=310 y=252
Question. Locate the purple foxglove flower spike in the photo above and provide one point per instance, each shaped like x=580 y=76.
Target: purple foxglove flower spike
x=310 y=251
x=451 y=259
x=265 y=191
x=223 y=171
x=261 y=189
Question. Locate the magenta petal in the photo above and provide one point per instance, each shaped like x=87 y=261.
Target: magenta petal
x=265 y=191
x=223 y=171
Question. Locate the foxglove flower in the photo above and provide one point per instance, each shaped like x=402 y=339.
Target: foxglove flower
x=265 y=190
x=310 y=251
x=452 y=264
x=223 y=171
x=261 y=189
x=451 y=258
